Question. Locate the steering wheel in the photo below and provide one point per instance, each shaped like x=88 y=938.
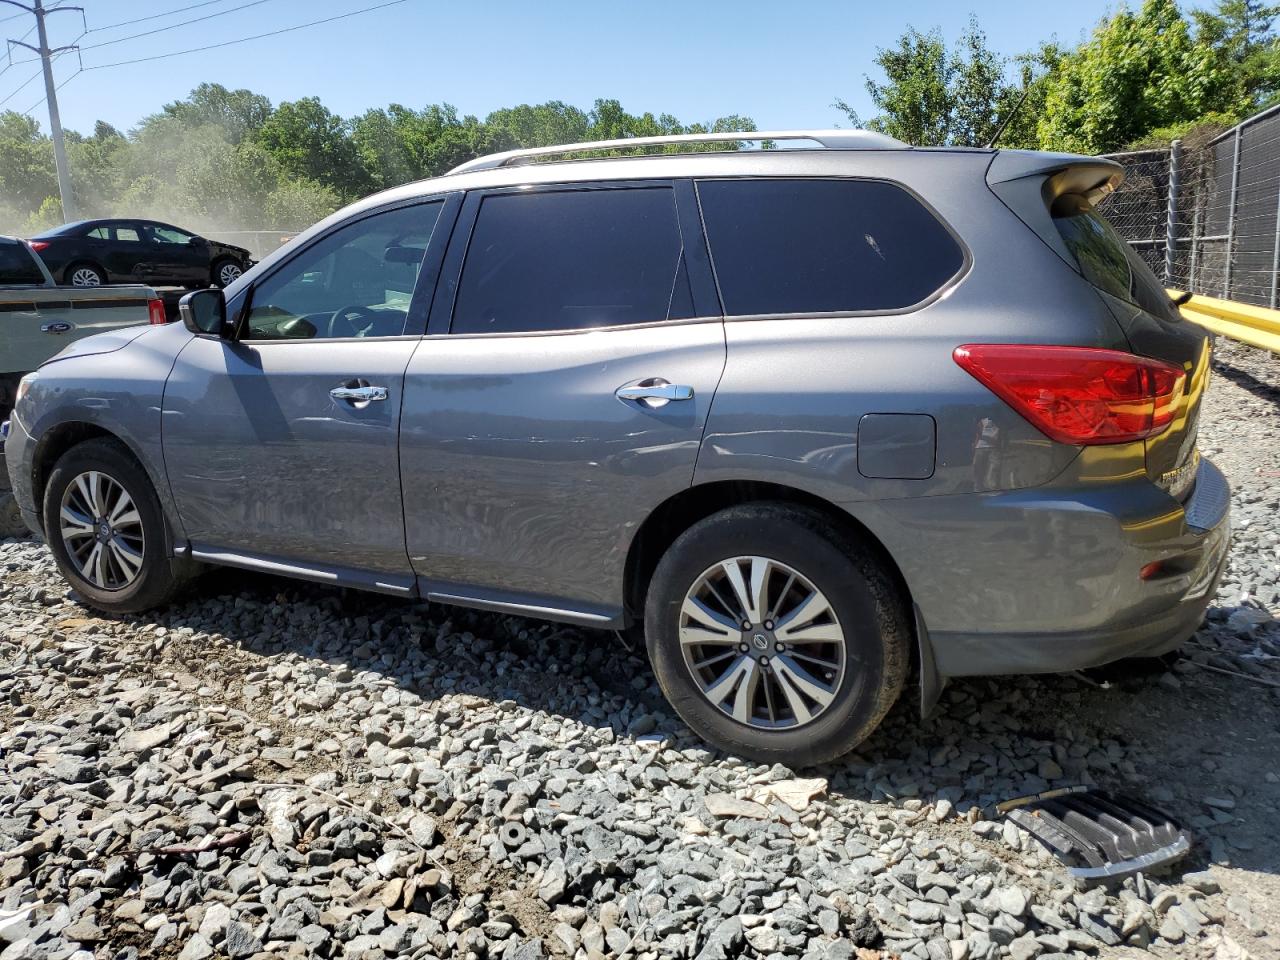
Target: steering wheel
x=350 y=317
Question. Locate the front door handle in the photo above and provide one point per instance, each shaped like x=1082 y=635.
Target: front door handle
x=358 y=392
x=60 y=326
x=654 y=393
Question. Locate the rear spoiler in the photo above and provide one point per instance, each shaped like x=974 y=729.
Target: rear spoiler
x=1028 y=182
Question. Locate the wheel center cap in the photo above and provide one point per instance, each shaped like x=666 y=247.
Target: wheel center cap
x=104 y=531
x=760 y=641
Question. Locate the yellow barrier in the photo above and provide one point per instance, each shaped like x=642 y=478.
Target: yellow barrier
x=1258 y=326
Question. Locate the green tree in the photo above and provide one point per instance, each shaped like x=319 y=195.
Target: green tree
x=1242 y=31
x=1139 y=71
x=312 y=143
x=26 y=163
x=239 y=113
x=932 y=97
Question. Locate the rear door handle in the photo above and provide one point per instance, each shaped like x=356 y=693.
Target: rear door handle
x=654 y=393
x=60 y=326
x=364 y=393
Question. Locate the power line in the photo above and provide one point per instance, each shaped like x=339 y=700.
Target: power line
x=29 y=109
x=154 y=16
x=173 y=26
x=25 y=83
x=258 y=36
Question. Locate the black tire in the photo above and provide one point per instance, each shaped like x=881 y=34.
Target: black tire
x=160 y=576
x=216 y=270
x=90 y=267
x=871 y=611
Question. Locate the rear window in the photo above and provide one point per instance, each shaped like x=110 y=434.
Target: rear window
x=1105 y=259
x=17 y=267
x=823 y=246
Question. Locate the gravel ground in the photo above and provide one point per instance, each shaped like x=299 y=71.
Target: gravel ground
x=276 y=769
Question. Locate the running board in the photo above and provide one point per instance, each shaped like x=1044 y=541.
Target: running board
x=1098 y=835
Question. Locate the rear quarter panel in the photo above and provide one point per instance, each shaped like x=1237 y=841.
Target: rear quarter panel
x=794 y=390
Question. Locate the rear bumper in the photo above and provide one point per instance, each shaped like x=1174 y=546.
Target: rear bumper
x=1047 y=581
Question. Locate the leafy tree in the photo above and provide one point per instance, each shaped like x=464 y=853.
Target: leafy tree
x=311 y=143
x=239 y=113
x=1242 y=31
x=1138 y=71
x=932 y=97
x=915 y=100
x=26 y=162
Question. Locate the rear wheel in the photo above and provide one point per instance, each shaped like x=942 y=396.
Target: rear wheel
x=775 y=638
x=104 y=525
x=86 y=275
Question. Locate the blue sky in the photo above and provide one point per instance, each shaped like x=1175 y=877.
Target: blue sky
x=782 y=63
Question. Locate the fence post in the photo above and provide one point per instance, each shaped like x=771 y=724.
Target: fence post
x=1171 y=226
x=1231 y=217
x=1275 y=253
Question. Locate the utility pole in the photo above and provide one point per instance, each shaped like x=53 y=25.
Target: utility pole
x=51 y=96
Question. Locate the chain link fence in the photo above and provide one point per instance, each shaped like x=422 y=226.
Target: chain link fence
x=1206 y=217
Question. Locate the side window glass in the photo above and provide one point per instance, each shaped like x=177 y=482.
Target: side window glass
x=17 y=267
x=356 y=282
x=823 y=246
x=128 y=234
x=169 y=235
x=573 y=260
x=98 y=233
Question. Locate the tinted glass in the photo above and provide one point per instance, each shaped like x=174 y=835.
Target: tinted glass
x=1105 y=259
x=169 y=235
x=573 y=260
x=128 y=234
x=99 y=233
x=356 y=282
x=17 y=265
x=819 y=246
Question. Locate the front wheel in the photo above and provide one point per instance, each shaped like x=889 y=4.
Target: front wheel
x=774 y=637
x=227 y=272
x=104 y=525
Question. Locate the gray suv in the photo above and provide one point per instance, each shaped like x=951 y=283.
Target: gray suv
x=818 y=419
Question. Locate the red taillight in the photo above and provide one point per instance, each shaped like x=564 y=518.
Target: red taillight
x=39 y=246
x=155 y=312
x=1079 y=395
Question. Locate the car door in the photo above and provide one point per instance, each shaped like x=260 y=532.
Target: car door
x=178 y=257
x=281 y=445
x=127 y=255
x=23 y=346
x=574 y=349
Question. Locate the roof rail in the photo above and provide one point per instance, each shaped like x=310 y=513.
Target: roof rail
x=829 y=139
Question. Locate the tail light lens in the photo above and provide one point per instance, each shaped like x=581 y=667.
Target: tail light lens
x=155 y=312
x=39 y=246
x=1079 y=395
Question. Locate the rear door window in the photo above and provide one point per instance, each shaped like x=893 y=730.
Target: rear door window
x=573 y=260
x=793 y=246
x=17 y=267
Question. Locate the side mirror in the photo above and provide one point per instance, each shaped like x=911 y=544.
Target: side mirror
x=204 y=312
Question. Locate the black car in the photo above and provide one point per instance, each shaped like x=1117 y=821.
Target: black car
x=89 y=253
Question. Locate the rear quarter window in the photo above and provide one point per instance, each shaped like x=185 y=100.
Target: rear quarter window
x=792 y=246
x=1105 y=259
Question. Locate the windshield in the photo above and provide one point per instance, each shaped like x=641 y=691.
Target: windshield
x=1105 y=259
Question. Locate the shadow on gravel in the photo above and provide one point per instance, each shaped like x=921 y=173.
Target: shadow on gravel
x=1199 y=744
x=1242 y=378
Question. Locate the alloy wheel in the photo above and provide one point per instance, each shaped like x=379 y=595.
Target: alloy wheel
x=763 y=643
x=101 y=529
x=228 y=274
x=86 y=277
